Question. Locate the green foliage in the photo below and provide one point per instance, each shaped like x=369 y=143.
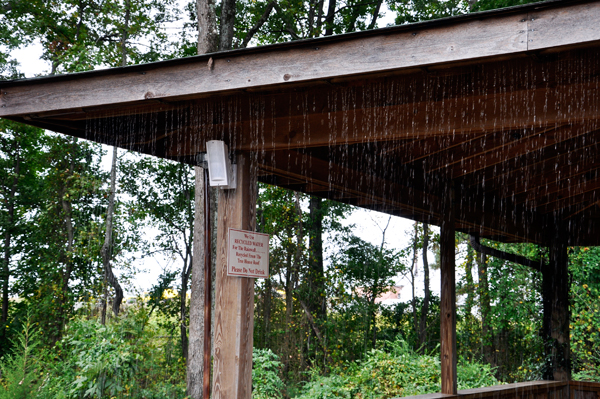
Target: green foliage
x=81 y=35
x=410 y=11
x=483 y=5
x=162 y=196
x=266 y=380
x=20 y=371
x=585 y=312
x=127 y=358
x=360 y=273
x=514 y=317
x=60 y=260
x=105 y=363
x=391 y=372
x=397 y=322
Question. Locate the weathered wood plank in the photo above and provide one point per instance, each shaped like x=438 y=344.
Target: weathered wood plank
x=456 y=40
x=448 y=293
x=555 y=300
x=359 y=54
x=521 y=390
x=234 y=302
x=548 y=165
x=199 y=335
x=563 y=26
x=528 y=389
x=430 y=396
x=424 y=119
x=498 y=147
x=584 y=390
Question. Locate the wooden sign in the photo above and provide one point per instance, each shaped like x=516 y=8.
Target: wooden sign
x=247 y=254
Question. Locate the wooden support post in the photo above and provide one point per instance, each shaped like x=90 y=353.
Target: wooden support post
x=196 y=367
x=234 y=298
x=555 y=298
x=448 y=293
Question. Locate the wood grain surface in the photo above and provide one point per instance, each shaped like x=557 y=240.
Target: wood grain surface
x=234 y=307
x=448 y=293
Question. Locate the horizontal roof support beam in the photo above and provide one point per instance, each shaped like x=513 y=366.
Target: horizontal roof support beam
x=418 y=45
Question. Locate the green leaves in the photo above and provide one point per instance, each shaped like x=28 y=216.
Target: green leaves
x=392 y=372
x=585 y=312
x=266 y=380
x=20 y=371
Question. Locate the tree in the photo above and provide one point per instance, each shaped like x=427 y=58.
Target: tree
x=585 y=312
x=59 y=262
x=426 y=290
x=163 y=196
x=20 y=149
x=281 y=216
x=79 y=35
x=364 y=272
x=107 y=248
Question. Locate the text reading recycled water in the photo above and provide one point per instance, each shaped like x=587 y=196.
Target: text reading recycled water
x=248 y=254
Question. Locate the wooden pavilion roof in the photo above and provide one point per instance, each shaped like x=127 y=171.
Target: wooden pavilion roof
x=505 y=104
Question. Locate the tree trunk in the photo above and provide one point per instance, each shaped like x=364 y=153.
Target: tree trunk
x=316 y=301
x=330 y=17
x=470 y=284
x=67 y=255
x=106 y=250
x=266 y=341
x=182 y=311
x=208 y=35
x=413 y=275
x=7 y=242
x=426 y=290
x=470 y=301
x=188 y=260
x=200 y=303
x=289 y=308
x=125 y=33
x=202 y=268
x=485 y=308
x=227 y=24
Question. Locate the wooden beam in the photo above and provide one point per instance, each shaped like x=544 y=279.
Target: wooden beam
x=398 y=191
x=200 y=286
x=362 y=122
x=497 y=148
x=520 y=390
x=349 y=181
x=234 y=297
x=536 y=168
x=430 y=146
x=563 y=191
x=587 y=192
x=547 y=28
x=393 y=49
x=448 y=293
x=243 y=70
x=555 y=299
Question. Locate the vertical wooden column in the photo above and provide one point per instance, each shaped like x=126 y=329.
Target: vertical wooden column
x=234 y=297
x=448 y=293
x=555 y=298
x=197 y=341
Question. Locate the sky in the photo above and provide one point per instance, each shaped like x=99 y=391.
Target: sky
x=368 y=224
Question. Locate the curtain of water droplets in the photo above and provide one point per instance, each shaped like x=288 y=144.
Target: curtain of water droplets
x=517 y=138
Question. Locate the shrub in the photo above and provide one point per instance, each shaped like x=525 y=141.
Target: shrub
x=20 y=372
x=266 y=381
x=393 y=372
